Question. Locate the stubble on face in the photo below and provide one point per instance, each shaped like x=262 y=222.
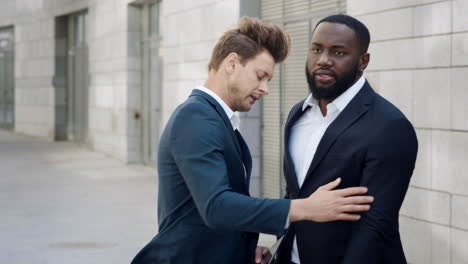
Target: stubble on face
x=243 y=90
x=336 y=89
x=235 y=94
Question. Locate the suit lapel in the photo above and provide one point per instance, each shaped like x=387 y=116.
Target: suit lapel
x=358 y=106
x=222 y=113
x=290 y=172
x=246 y=158
x=244 y=154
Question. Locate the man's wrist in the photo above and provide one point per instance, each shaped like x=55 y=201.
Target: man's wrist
x=296 y=212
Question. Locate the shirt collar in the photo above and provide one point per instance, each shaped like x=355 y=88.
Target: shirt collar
x=233 y=118
x=341 y=101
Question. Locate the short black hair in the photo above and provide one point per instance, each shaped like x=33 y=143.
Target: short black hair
x=362 y=33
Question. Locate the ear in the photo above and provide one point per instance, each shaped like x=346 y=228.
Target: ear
x=364 y=61
x=230 y=62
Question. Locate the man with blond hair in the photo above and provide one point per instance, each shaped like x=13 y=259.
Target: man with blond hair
x=205 y=212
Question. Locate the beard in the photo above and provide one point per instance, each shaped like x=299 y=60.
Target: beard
x=332 y=92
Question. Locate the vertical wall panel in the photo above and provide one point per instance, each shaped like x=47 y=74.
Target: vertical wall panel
x=7 y=89
x=271 y=10
x=295 y=83
x=271 y=138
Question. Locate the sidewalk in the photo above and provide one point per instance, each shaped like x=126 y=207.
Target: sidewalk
x=61 y=203
x=64 y=204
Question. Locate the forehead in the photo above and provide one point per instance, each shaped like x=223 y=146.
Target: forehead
x=263 y=61
x=328 y=33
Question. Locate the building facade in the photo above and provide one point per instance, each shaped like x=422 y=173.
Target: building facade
x=107 y=74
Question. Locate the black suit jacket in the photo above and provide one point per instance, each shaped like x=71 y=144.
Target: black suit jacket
x=205 y=212
x=372 y=144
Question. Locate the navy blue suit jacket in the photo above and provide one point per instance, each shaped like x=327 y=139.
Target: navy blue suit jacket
x=372 y=144
x=205 y=213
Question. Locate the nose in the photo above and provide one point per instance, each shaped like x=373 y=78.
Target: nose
x=264 y=88
x=324 y=59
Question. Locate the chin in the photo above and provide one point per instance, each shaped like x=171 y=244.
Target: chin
x=318 y=86
x=244 y=108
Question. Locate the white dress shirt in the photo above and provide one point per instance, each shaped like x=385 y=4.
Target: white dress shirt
x=307 y=132
x=230 y=114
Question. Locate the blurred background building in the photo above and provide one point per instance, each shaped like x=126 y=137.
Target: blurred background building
x=107 y=74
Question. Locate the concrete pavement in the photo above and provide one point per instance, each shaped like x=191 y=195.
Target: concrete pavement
x=61 y=203
x=65 y=204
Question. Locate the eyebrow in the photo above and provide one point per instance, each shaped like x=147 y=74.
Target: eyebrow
x=334 y=46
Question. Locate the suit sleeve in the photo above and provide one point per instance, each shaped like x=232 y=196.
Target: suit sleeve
x=387 y=171
x=198 y=149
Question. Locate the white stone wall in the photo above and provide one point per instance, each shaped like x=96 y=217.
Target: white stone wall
x=110 y=114
x=190 y=30
x=419 y=61
x=112 y=126
x=34 y=68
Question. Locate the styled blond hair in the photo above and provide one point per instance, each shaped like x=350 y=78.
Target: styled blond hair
x=251 y=37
